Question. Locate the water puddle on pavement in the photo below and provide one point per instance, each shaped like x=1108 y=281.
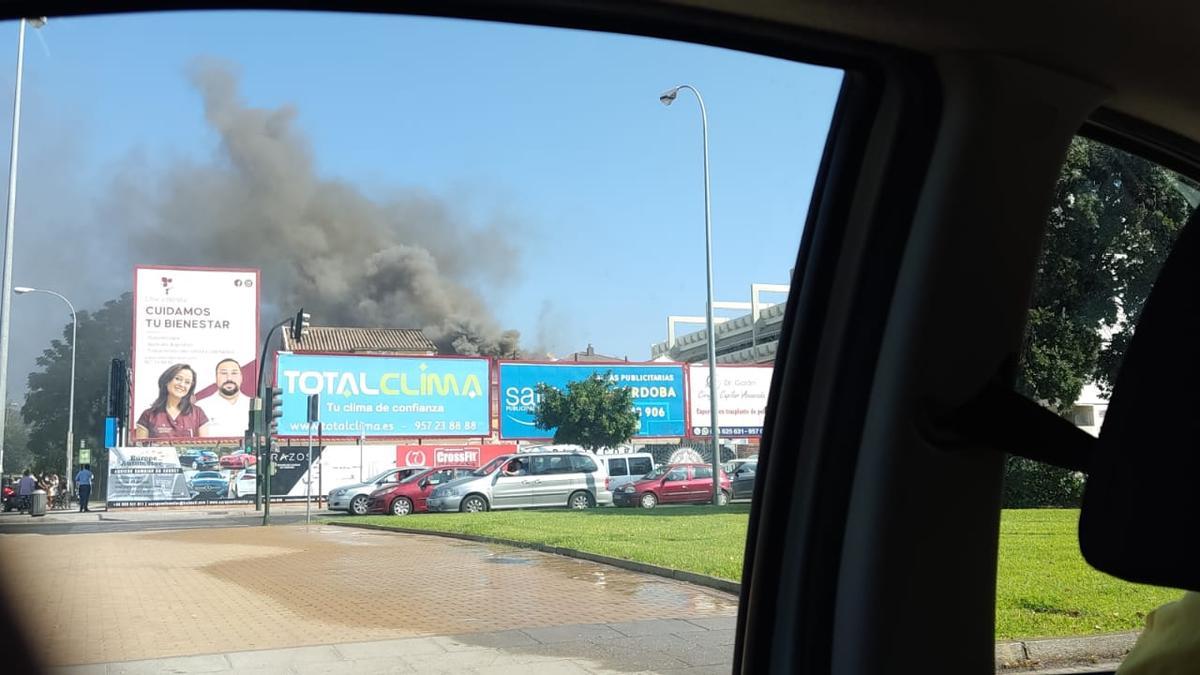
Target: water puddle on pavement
x=346 y=577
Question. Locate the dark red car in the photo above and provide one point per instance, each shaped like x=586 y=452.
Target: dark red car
x=673 y=484
x=409 y=495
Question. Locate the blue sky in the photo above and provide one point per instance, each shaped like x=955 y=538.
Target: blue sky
x=558 y=133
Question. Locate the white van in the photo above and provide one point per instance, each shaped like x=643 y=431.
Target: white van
x=627 y=468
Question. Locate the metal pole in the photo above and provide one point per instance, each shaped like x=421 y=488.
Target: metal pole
x=263 y=496
x=6 y=289
x=712 y=330
x=361 y=439
x=71 y=405
x=308 y=483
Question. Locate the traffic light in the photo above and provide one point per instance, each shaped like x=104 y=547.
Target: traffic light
x=300 y=324
x=274 y=409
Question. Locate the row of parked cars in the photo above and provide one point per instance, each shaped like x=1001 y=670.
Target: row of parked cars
x=544 y=477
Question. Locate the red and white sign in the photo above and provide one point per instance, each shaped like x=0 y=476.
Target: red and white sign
x=445 y=455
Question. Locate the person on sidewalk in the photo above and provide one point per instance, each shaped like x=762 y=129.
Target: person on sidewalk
x=83 y=482
x=52 y=486
x=25 y=490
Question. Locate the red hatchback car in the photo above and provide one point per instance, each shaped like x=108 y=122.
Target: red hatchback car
x=409 y=495
x=673 y=484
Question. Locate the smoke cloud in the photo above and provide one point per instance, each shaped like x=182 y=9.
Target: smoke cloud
x=409 y=261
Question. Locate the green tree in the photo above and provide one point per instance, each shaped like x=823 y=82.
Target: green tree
x=1114 y=219
x=103 y=335
x=17 y=456
x=593 y=412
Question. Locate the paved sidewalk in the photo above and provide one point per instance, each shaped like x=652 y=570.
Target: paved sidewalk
x=665 y=646
x=102 y=598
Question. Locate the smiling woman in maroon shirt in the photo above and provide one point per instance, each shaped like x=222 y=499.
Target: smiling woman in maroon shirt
x=172 y=415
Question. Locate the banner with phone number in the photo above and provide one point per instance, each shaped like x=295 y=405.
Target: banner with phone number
x=658 y=394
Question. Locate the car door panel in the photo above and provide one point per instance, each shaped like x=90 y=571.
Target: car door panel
x=512 y=492
x=674 y=487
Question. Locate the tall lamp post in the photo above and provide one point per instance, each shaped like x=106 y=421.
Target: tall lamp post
x=21 y=290
x=667 y=99
x=6 y=283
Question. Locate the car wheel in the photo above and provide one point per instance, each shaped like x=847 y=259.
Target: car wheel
x=473 y=504
x=723 y=498
x=358 y=505
x=580 y=500
x=401 y=506
x=649 y=501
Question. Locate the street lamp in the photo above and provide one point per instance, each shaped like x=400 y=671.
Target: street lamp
x=22 y=290
x=6 y=283
x=667 y=98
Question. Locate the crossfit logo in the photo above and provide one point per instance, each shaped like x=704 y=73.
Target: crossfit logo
x=444 y=456
x=415 y=458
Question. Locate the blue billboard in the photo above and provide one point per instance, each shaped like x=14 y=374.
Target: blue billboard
x=385 y=396
x=658 y=394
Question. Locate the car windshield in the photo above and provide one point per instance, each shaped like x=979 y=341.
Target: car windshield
x=379 y=476
x=392 y=242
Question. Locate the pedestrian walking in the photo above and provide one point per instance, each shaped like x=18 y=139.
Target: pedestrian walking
x=83 y=482
x=25 y=490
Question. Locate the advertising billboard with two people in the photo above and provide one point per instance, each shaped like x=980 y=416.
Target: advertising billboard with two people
x=195 y=332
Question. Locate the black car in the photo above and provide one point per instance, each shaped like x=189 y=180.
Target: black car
x=743 y=480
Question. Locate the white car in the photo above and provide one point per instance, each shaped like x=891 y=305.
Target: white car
x=353 y=498
x=242 y=484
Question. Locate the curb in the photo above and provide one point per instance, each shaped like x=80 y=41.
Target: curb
x=714 y=583
x=1036 y=654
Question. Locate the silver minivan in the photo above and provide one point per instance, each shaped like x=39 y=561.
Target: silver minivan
x=528 y=480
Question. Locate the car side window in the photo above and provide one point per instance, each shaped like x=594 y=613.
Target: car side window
x=550 y=464
x=702 y=472
x=581 y=464
x=676 y=474
x=640 y=466
x=617 y=467
x=439 y=477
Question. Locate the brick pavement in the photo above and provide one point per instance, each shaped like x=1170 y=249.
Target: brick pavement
x=102 y=598
x=662 y=646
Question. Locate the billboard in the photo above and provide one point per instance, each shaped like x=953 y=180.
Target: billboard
x=446 y=455
x=150 y=475
x=742 y=396
x=658 y=394
x=385 y=396
x=195 y=332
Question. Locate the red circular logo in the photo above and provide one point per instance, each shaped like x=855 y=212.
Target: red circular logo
x=415 y=458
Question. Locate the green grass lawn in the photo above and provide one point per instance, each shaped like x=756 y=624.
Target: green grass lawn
x=1044 y=587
